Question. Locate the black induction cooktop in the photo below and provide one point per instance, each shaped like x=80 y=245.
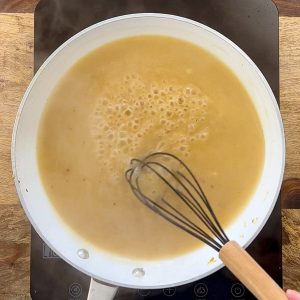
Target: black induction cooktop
x=253 y=26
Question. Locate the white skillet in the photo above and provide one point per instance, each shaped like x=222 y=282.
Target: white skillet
x=119 y=271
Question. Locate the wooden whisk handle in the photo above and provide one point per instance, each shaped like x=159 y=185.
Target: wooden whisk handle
x=250 y=273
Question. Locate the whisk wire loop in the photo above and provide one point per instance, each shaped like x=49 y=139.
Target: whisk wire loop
x=202 y=196
x=198 y=211
x=187 y=189
x=189 y=227
x=200 y=191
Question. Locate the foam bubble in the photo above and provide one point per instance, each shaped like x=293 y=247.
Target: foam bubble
x=128 y=112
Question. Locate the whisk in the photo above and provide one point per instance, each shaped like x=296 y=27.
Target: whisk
x=166 y=185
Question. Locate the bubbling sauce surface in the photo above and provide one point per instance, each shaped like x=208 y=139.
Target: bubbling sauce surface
x=133 y=97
